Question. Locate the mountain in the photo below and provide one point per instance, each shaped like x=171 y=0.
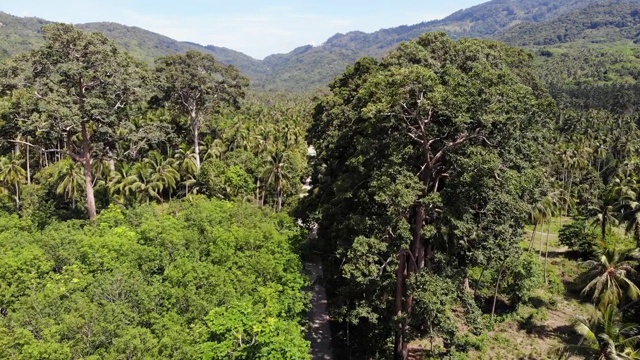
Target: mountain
x=310 y=67
x=604 y=22
x=596 y=44
x=519 y=22
x=19 y=34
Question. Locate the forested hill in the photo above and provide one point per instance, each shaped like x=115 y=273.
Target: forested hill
x=309 y=67
x=604 y=22
x=20 y=34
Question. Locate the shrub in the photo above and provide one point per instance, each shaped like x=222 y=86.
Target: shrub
x=578 y=236
x=526 y=275
x=466 y=342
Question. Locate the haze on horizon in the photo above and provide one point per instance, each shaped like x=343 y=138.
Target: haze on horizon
x=255 y=28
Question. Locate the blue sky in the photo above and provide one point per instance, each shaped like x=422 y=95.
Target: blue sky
x=257 y=28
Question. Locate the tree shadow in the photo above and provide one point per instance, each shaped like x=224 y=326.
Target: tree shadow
x=564 y=333
x=502 y=305
x=418 y=353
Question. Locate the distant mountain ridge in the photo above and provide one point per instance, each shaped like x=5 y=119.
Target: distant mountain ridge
x=308 y=67
x=600 y=22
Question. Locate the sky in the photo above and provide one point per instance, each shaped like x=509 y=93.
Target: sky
x=256 y=28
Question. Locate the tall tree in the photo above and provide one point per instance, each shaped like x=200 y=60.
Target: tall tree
x=423 y=152
x=608 y=277
x=12 y=175
x=277 y=173
x=196 y=85
x=70 y=178
x=607 y=211
x=604 y=336
x=85 y=87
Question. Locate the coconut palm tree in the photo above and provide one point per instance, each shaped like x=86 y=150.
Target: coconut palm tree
x=276 y=172
x=212 y=148
x=608 y=277
x=163 y=172
x=607 y=211
x=70 y=178
x=12 y=175
x=604 y=337
x=186 y=161
x=144 y=185
x=552 y=204
x=537 y=217
x=189 y=184
x=630 y=213
x=120 y=182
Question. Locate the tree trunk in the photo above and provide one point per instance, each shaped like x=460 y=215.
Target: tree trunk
x=195 y=126
x=546 y=256
x=417 y=246
x=477 y=285
x=533 y=237
x=540 y=250
x=258 y=192
x=279 y=197
x=112 y=164
x=400 y=346
x=88 y=176
x=566 y=207
x=17 y=197
x=604 y=225
x=28 y=165
x=495 y=293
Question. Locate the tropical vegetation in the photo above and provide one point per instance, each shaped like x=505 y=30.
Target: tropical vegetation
x=464 y=197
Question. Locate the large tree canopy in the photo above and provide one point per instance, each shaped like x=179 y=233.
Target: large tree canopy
x=196 y=85
x=84 y=88
x=426 y=160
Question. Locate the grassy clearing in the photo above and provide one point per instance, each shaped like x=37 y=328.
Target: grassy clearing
x=538 y=330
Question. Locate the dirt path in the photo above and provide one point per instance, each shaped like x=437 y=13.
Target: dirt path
x=320 y=334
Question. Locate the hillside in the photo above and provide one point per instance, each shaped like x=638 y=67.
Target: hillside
x=518 y=22
x=310 y=67
x=19 y=34
x=600 y=23
x=589 y=57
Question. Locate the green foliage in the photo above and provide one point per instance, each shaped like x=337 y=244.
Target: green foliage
x=604 y=336
x=607 y=21
x=526 y=275
x=196 y=86
x=607 y=278
x=578 y=236
x=472 y=313
x=434 y=298
x=467 y=342
x=245 y=330
x=227 y=182
x=153 y=284
x=420 y=167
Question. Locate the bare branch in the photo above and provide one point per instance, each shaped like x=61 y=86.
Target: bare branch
x=74 y=156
